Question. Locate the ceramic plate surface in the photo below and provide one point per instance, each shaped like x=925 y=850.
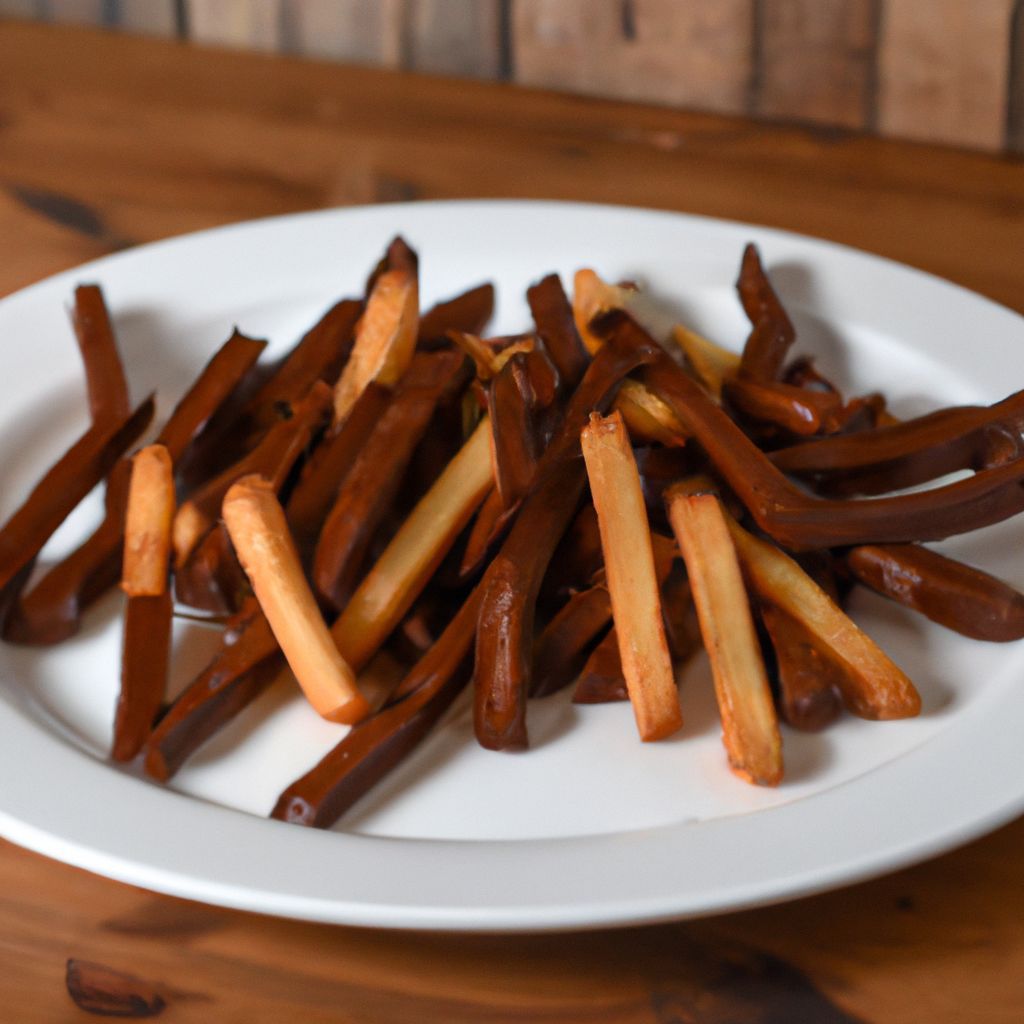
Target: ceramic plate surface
x=589 y=827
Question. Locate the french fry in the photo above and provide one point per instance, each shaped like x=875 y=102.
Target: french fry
x=873 y=687
x=104 y=372
x=577 y=559
x=955 y=595
x=773 y=330
x=144 y=578
x=385 y=338
x=485 y=359
x=221 y=376
x=682 y=628
x=648 y=418
x=632 y=582
x=520 y=399
x=247 y=662
x=247 y=415
x=211 y=580
x=646 y=415
x=750 y=729
x=51 y=610
x=554 y=319
x=368 y=490
x=765 y=350
x=807 y=673
x=468 y=312
x=755 y=290
x=592 y=296
x=496 y=516
x=862 y=412
x=382 y=741
x=488 y=360
x=415 y=552
x=797 y=410
x=319 y=355
x=144 y=663
x=488 y=527
x=712 y=364
x=565 y=642
x=148 y=519
x=601 y=680
x=256 y=523
x=327 y=467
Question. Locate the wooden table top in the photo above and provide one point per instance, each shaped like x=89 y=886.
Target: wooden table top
x=106 y=142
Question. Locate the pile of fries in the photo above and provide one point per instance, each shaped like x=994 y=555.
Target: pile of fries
x=580 y=505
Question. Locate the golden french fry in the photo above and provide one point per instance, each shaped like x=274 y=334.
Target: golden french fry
x=188 y=529
x=647 y=416
x=488 y=361
x=146 y=638
x=873 y=687
x=632 y=581
x=482 y=355
x=591 y=296
x=711 y=364
x=256 y=523
x=398 y=576
x=385 y=338
x=750 y=729
x=148 y=519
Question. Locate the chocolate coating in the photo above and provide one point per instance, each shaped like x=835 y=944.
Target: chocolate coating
x=956 y=596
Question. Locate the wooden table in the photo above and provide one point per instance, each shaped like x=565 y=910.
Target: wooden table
x=106 y=142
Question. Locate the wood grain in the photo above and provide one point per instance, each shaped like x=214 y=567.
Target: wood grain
x=358 y=135
x=815 y=60
x=128 y=144
x=697 y=54
x=921 y=944
x=943 y=77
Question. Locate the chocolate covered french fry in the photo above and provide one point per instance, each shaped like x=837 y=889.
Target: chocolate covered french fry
x=145 y=579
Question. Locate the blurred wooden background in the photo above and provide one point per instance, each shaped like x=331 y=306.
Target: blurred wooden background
x=948 y=71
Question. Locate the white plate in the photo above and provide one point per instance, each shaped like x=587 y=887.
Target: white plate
x=589 y=827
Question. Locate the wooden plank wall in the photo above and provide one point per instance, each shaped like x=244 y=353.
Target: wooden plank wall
x=949 y=71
